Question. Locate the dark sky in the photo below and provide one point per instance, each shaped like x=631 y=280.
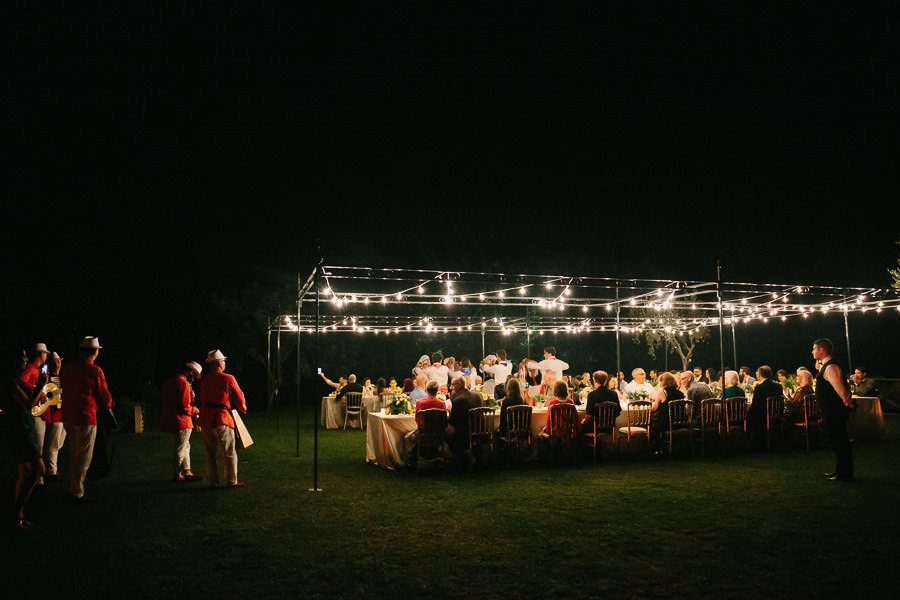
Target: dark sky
x=156 y=151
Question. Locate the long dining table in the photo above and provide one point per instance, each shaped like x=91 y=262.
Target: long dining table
x=385 y=435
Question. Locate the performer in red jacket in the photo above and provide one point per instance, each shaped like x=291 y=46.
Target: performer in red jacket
x=176 y=416
x=219 y=394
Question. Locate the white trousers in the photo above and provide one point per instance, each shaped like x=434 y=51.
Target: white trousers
x=221 y=439
x=81 y=451
x=57 y=439
x=181 y=460
x=39 y=429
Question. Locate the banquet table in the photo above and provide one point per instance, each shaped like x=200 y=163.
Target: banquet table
x=867 y=421
x=385 y=435
x=333 y=412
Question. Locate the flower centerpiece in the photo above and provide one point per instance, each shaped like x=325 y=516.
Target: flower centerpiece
x=539 y=399
x=489 y=400
x=399 y=405
x=637 y=396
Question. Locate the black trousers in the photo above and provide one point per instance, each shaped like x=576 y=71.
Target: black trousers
x=835 y=424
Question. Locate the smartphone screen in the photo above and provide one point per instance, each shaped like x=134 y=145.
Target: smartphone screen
x=43 y=368
x=319 y=370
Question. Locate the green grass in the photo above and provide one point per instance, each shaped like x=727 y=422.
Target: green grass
x=745 y=526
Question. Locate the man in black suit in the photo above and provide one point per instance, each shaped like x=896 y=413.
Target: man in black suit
x=765 y=387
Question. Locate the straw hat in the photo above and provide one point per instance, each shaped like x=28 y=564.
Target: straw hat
x=90 y=342
x=41 y=347
x=214 y=356
x=196 y=367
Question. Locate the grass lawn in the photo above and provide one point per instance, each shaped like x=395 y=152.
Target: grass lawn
x=750 y=525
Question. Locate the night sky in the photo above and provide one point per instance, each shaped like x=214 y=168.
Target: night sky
x=155 y=157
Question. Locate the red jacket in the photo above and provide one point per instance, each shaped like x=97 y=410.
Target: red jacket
x=219 y=394
x=177 y=405
x=85 y=390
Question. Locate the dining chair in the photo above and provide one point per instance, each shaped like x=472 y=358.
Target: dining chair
x=710 y=421
x=481 y=430
x=680 y=421
x=810 y=417
x=384 y=400
x=518 y=428
x=774 y=418
x=604 y=425
x=431 y=435
x=639 y=413
x=354 y=408
x=561 y=429
x=735 y=416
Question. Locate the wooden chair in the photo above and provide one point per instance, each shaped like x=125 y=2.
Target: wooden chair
x=562 y=423
x=680 y=421
x=384 y=400
x=639 y=414
x=518 y=427
x=735 y=416
x=604 y=426
x=710 y=421
x=810 y=417
x=354 y=408
x=481 y=430
x=774 y=418
x=431 y=437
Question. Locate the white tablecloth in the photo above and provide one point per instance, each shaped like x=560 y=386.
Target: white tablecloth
x=333 y=412
x=867 y=421
x=385 y=433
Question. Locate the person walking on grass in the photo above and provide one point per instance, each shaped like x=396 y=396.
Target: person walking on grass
x=219 y=394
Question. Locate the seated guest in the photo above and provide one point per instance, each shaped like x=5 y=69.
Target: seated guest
x=639 y=384
x=513 y=398
x=341 y=382
x=368 y=388
x=419 y=391
x=560 y=396
x=793 y=409
x=429 y=401
x=458 y=423
x=732 y=385
x=668 y=391
x=409 y=384
x=712 y=380
x=351 y=386
x=695 y=391
x=698 y=375
x=601 y=393
x=746 y=377
x=864 y=386
x=393 y=387
x=765 y=387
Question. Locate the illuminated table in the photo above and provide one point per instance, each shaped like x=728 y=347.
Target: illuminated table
x=867 y=421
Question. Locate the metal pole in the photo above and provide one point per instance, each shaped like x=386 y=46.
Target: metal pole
x=618 y=347
x=317 y=405
x=734 y=342
x=847 y=333
x=278 y=378
x=721 y=319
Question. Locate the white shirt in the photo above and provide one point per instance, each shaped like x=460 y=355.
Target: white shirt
x=552 y=364
x=439 y=373
x=500 y=371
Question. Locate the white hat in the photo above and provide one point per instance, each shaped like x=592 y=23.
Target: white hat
x=55 y=356
x=424 y=357
x=214 y=356
x=90 y=342
x=40 y=347
x=196 y=367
